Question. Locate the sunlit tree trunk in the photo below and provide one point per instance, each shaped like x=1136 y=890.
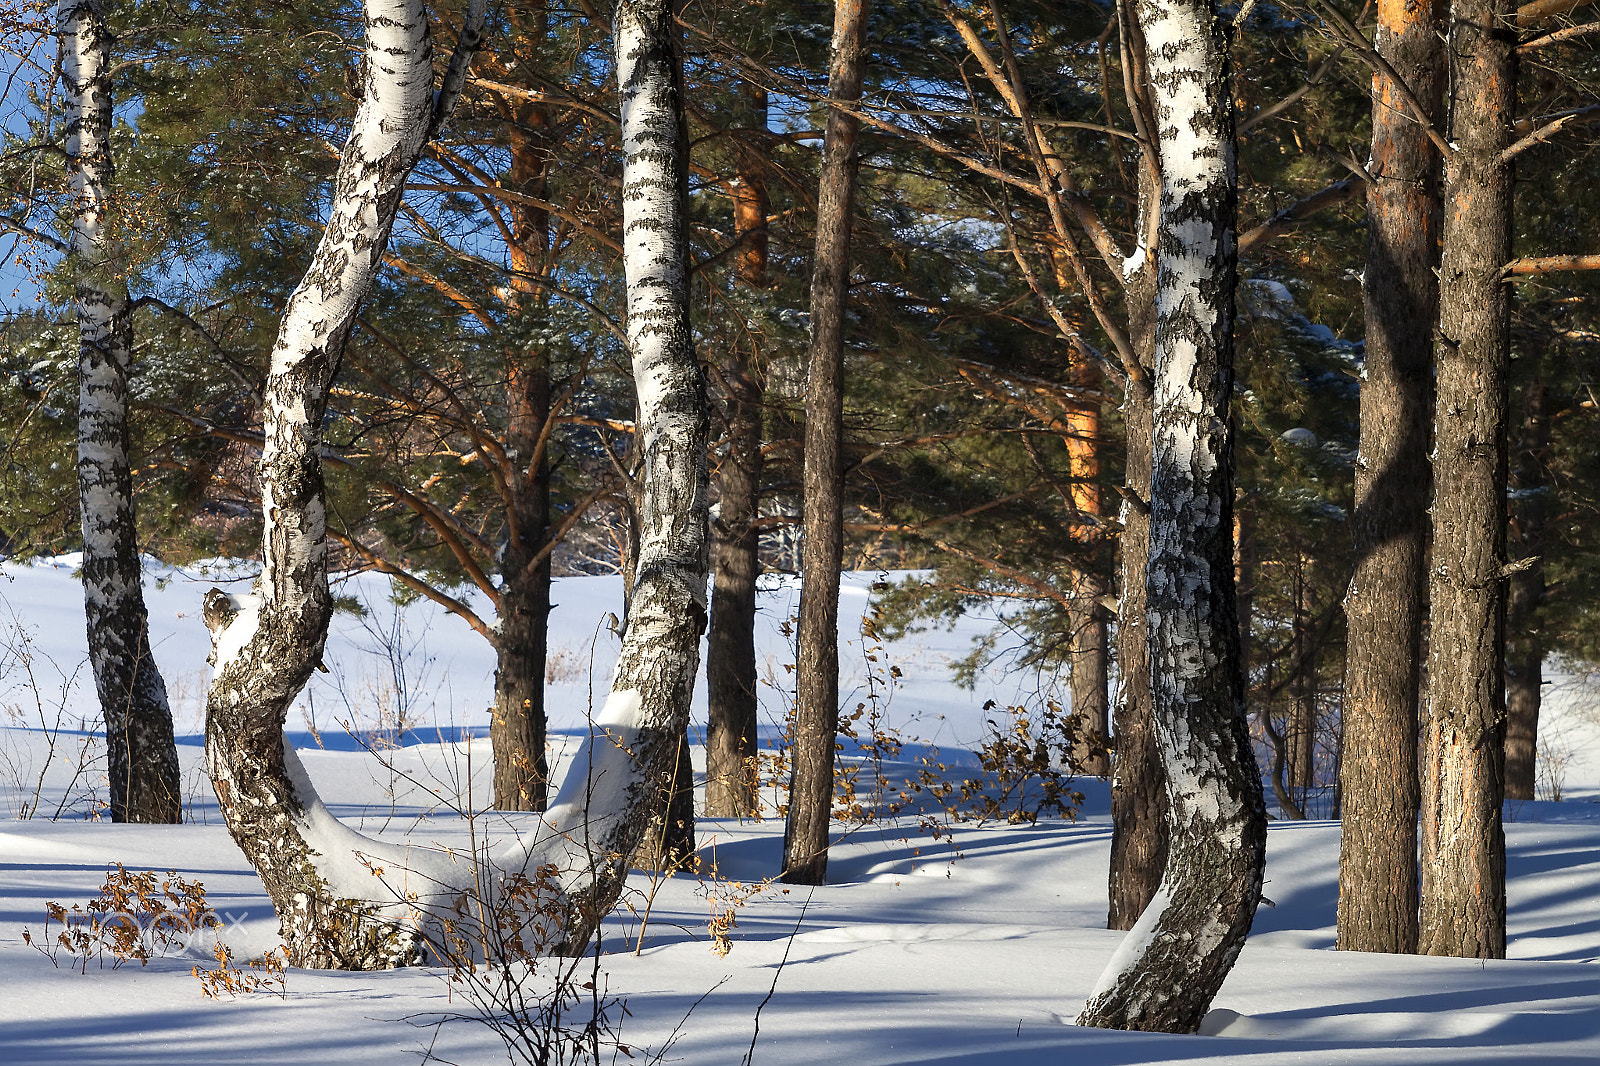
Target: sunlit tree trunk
x=1171 y=964
x=517 y=728
x=141 y=757
x=334 y=909
x=817 y=666
x=1088 y=619
x=1386 y=603
x=1463 y=908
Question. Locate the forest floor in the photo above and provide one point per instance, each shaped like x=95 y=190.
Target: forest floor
x=973 y=946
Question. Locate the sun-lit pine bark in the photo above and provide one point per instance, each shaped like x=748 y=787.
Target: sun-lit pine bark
x=730 y=651
x=816 y=710
x=141 y=757
x=517 y=728
x=1463 y=902
x=1386 y=601
x=1171 y=964
x=333 y=911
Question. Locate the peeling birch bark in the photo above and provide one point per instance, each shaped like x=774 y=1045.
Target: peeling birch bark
x=339 y=904
x=1169 y=967
x=142 y=758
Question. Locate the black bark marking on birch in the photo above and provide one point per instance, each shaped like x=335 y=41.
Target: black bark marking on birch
x=1178 y=954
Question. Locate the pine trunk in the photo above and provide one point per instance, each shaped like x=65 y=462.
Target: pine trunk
x=517 y=728
x=1171 y=964
x=1385 y=605
x=1463 y=909
x=730 y=650
x=805 y=842
x=1088 y=618
x=141 y=756
x=1138 y=790
x=1525 y=643
x=332 y=912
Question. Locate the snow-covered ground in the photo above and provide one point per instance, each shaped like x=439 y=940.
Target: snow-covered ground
x=977 y=948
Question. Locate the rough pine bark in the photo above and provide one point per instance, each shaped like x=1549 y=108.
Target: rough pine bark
x=1525 y=641
x=1386 y=603
x=1087 y=618
x=730 y=650
x=1171 y=964
x=1138 y=790
x=334 y=909
x=517 y=728
x=1463 y=909
x=816 y=713
x=141 y=756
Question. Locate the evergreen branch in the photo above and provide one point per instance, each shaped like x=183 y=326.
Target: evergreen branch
x=1538 y=10
x=493 y=189
x=1299 y=212
x=375 y=562
x=1557 y=123
x=221 y=353
x=11 y=225
x=1566 y=33
x=1293 y=98
x=536 y=96
x=1549 y=264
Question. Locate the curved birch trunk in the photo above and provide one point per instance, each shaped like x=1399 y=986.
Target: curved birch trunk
x=626 y=766
x=142 y=759
x=1171 y=964
x=334 y=909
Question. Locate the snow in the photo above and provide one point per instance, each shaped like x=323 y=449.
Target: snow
x=977 y=949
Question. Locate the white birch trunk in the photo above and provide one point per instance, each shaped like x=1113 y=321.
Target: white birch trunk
x=333 y=909
x=1171 y=964
x=625 y=767
x=142 y=760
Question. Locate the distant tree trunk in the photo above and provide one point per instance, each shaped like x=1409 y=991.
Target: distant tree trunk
x=1303 y=691
x=1138 y=789
x=1088 y=619
x=1525 y=643
x=1463 y=844
x=731 y=651
x=1170 y=966
x=1386 y=604
x=266 y=645
x=517 y=729
x=141 y=756
x=805 y=839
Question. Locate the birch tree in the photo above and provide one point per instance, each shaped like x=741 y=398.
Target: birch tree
x=265 y=645
x=142 y=759
x=1171 y=964
x=347 y=901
